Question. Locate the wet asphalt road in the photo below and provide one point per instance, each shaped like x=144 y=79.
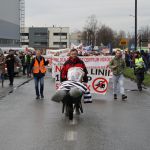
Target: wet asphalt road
x=27 y=124
x=6 y=89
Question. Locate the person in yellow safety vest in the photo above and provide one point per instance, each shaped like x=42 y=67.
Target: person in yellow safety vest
x=38 y=68
x=139 y=70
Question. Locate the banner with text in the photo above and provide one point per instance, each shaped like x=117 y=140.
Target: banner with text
x=99 y=72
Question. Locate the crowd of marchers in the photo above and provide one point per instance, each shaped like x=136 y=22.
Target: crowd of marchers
x=14 y=62
x=28 y=62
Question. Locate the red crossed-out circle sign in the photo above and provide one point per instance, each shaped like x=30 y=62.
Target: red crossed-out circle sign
x=100 y=85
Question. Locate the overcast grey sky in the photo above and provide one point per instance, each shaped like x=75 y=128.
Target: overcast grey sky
x=74 y=13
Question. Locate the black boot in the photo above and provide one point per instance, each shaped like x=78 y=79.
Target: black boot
x=140 y=88
x=42 y=96
x=115 y=96
x=37 y=97
x=77 y=110
x=124 y=97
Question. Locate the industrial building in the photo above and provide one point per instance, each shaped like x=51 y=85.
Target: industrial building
x=11 y=22
x=38 y=37
x=59 y=37
x=46 y=37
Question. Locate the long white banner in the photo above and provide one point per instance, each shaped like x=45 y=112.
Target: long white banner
x=99 y=72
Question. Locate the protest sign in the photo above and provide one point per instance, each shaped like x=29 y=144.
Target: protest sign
x=99 y=72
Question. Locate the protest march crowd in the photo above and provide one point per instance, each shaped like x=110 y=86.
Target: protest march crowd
x=138 y=60
x=95 y=69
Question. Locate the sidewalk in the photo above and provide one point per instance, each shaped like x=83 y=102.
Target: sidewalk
x=18 y=81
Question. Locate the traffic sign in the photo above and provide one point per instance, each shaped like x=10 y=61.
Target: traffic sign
x=123 y=42
x=100 y=85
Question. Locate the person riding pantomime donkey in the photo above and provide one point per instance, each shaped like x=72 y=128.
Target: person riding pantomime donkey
x=73 y=78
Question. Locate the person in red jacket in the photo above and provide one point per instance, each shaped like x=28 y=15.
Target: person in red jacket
x=73 y=61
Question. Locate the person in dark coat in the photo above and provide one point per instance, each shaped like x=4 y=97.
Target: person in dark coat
x=22 y=58
x=10 y=62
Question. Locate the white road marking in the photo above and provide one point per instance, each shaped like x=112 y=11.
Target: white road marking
x=70 y=136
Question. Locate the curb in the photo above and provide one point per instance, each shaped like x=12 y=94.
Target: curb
x=19 y=85
x=15 y=88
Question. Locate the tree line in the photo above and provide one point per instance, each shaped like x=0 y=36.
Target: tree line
x=96 y=34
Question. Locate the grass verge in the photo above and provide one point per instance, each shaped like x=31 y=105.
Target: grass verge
x=129 y=73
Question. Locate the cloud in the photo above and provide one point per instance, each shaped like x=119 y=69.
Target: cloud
x=114 y=13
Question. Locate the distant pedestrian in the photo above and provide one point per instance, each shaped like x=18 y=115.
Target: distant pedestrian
x=117 y=65
x=2 y=66
x=11 y=61
x=22 y=58
x=149 y=59
x=127 y=58
x=144 y=56
x=38 y=68
x=139 y=69
x=28 y=60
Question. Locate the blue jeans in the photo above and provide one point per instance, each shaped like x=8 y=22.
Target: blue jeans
x=118 y=84
x=38 y=80
x=1 y=76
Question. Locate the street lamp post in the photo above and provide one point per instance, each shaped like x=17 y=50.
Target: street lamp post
x=135 y=25
x=140 y=38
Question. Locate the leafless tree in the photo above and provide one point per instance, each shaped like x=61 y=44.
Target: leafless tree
x=90 y=29
x=144 y=35
x=105 y=35
x=95 y=35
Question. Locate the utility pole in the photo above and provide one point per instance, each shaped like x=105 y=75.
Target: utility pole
x=135 y=25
